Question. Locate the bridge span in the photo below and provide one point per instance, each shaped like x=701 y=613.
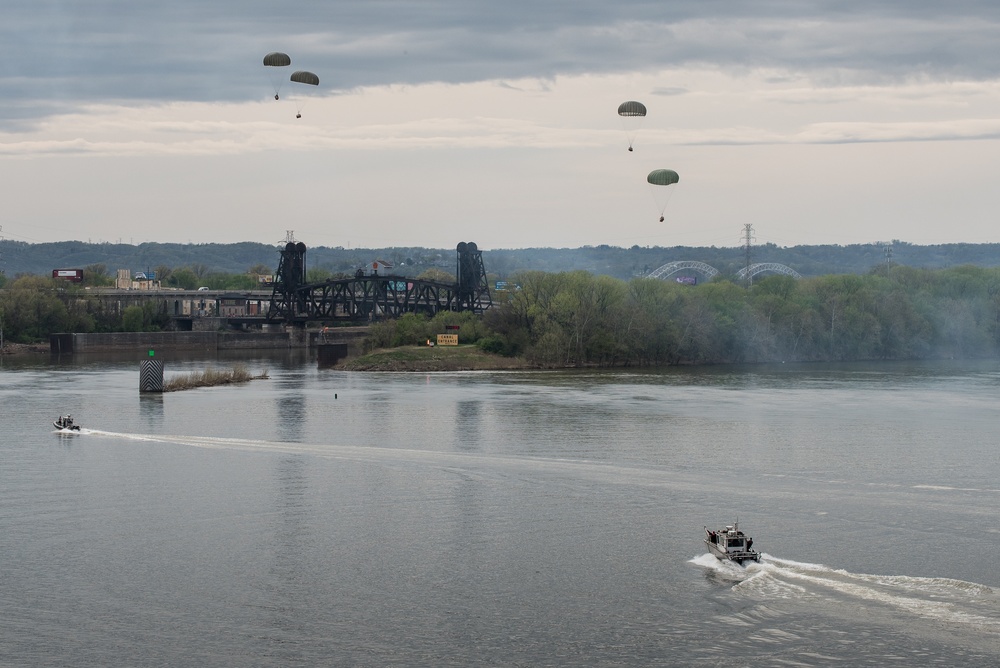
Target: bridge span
x=669 y=269
x=367 y=297
x=372 y=296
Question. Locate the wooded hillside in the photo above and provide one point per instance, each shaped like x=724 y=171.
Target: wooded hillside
x=18 y=258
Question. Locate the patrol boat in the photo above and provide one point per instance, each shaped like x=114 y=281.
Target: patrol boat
x=65 y=422
x=731 y=544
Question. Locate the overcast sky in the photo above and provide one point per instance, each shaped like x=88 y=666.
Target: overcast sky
x=443 y=121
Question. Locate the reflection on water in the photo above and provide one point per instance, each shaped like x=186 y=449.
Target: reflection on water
x=468 y=424
x=151 y=410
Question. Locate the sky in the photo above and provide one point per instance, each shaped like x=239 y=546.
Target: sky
x=442 y=121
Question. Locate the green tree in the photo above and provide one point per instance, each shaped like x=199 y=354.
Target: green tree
x=184 y=279
x=97 y=275
x=132 y=319
x=317 y=275
x=31 y=310
x=410 y=329
x=436 y=275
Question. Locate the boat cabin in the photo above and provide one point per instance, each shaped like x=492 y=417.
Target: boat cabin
x=730 y=543
x=731 y=539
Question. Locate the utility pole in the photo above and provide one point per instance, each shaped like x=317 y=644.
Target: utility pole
x=748 y=240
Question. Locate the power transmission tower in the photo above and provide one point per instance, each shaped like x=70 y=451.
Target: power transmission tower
x=748 y=240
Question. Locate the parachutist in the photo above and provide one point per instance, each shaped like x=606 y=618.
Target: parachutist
x=629 y=149
x=661 y=219
x=275 y=96
x=298 y=115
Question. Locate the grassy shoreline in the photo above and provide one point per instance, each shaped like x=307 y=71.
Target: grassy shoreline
x=211 y=378
x=434 y=358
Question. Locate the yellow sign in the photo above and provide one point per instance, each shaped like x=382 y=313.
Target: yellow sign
x=447 y=339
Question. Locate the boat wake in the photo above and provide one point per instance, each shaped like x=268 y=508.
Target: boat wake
x=944 y=600
x=378 y=454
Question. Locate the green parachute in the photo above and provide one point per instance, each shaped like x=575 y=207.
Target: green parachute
x=306 y=79
x=632 y=114
x=659 y=180
x=273 y=62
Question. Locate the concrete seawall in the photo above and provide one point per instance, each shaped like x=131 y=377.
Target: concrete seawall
x=201 y=341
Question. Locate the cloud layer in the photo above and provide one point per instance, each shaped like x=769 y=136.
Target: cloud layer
x=445 y=120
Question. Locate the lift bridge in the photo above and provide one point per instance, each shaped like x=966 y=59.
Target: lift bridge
x=371 y=296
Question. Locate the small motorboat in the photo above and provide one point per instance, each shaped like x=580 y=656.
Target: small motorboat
x=65 y=423
x=731 y=544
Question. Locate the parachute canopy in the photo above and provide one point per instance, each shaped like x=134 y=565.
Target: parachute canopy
x=631 y=108
x=271 y=61
x=304 y=77
x=663 y=177
x=277 y=59
x=632 y=114
x=658 y=178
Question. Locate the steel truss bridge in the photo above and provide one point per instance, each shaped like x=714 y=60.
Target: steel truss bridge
x=371 y=296
x=709 y=272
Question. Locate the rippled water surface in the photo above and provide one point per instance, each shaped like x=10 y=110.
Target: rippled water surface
x=499 y=519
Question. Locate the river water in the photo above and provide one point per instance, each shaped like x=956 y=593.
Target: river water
x=321 y=517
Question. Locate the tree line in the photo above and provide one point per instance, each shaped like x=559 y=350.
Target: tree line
x=579 y=319
x=576 y=318
x=891 y=313
x=17 y=258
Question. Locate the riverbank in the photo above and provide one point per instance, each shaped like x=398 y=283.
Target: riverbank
x=435 y=358
x=23 y=348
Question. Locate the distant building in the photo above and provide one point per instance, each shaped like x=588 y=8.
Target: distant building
x=381 y=267
x=141 y=281
x=232 y=306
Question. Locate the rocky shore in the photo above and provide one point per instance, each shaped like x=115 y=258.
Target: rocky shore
x=23 y=348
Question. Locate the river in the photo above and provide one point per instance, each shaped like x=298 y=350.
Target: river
x=322 y=517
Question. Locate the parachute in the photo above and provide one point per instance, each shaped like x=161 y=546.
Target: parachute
x=305 y=78
x=663 y=177
x=274 y=60
x=659 y=180
x=277 y=59
x=632 y=114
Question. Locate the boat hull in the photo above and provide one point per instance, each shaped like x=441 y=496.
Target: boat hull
x=738 y=557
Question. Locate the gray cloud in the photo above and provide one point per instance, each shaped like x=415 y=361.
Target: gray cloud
x=65 y=53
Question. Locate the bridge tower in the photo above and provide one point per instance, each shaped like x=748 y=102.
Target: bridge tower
x=473 y=286
x=748 y=240
x=286 y=300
